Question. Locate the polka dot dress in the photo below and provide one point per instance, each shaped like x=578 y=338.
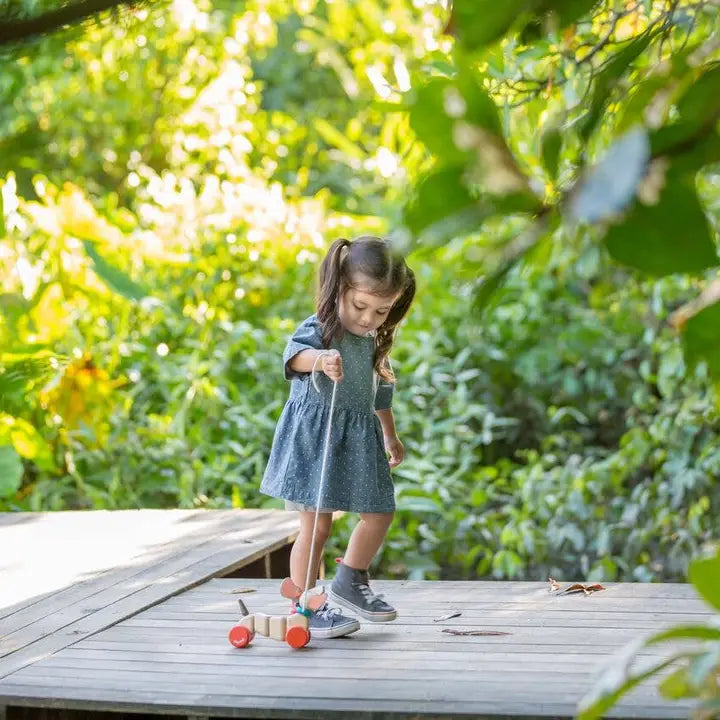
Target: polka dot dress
x=358 y=473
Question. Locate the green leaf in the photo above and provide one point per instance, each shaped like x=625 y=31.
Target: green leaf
x=11 y=471
x=698 y=110
x=609 y=186
x=478 y=23
x=633 y=109
x=419 y=504
x=568 y=11
x=675 y=685
x=429 y=120
x=688 y=160
x=332 y=136
x=704 y=573
x=441 y=103
x=551 y=144
x=699 y=107
x=116 y=279
x=686 y=632
x=439 y=194
x=605 y=81
x=672 y=236
x=13 y=306
x=701 y=339
x=490 y=283
x=611 y=688
x=28 y=443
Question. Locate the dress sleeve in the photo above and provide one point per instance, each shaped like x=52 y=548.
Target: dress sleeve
x=308 y=336
x=384 y=394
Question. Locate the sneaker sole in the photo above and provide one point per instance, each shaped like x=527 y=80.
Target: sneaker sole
x=337 y=631
x=372 y=617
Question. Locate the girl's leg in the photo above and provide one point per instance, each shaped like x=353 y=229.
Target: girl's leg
x=350 y=586
x=324 y=623
x=366 y=539
x=300 y=553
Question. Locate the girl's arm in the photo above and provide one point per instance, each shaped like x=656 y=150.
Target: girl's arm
x=392 y=441
x=304 y=361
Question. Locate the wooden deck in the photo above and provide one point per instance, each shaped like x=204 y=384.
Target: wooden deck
x=174 y=658
x=67 y=575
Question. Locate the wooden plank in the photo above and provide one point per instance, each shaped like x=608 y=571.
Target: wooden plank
x=175 y=657
x=209 y=543
x=341 y=652
x=458 y=645
x=300 y=699
x=484 y=596
x=469 y=590
x=187 y=703
x=377 y=639
x=70 y=555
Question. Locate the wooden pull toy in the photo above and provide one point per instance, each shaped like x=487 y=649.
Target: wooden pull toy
x=293 y=629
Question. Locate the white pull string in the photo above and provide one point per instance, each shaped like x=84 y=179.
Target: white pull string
x=323 y=472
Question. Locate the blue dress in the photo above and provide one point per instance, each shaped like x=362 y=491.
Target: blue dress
x=358 y=473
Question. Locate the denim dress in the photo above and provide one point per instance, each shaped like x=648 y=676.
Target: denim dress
x=358 y=473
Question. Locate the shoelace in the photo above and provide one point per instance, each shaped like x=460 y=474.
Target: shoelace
x=368 y=594
x=327 y=613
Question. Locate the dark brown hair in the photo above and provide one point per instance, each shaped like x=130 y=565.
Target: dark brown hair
x=368 y=258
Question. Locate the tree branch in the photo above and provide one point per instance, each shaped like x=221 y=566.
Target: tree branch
x=20 y=30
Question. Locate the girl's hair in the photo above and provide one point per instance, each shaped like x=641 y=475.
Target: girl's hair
x=366 y=258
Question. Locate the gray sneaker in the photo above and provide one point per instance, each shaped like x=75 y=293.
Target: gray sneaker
x=350 y=588
x=329 y=622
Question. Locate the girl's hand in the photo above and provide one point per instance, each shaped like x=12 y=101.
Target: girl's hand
x=396 y=450
x=332 y=366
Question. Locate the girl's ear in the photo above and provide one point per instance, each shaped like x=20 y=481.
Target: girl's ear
x=315 y=602
x=288 y=589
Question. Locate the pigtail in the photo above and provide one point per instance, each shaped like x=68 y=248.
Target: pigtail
x=330 y=288
x=386 y=332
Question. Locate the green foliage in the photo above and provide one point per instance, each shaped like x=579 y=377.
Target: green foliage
x=645 y=207
x=11 y=471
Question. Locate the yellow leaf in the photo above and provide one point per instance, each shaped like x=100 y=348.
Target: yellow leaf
x=50 y=315
x=79 y=218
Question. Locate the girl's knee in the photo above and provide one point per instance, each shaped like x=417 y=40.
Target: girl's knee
x=324 y=525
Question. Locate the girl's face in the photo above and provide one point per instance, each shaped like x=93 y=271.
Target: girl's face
x=361 y=311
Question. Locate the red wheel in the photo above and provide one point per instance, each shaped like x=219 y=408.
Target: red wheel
x=240 y=636
x=297 y=637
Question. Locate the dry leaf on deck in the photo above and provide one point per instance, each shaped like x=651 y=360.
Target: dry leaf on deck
x=237 y=591
x=576 y=588
x=454 y=614
x=451 y=631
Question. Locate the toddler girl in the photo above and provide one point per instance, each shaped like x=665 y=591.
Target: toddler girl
x=364 y=291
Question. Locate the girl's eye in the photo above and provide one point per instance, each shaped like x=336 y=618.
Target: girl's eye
x=383 y=312
x=357 y=307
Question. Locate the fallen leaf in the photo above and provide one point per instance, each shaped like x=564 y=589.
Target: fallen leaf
x=237 y=591
x=454 y=614
x=575 y=588
x=451 y=631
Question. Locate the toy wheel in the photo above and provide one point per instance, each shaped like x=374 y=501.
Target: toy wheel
x=297 y=637
x=240 y=636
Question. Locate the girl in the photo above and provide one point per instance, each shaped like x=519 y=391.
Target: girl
x=364 y=291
